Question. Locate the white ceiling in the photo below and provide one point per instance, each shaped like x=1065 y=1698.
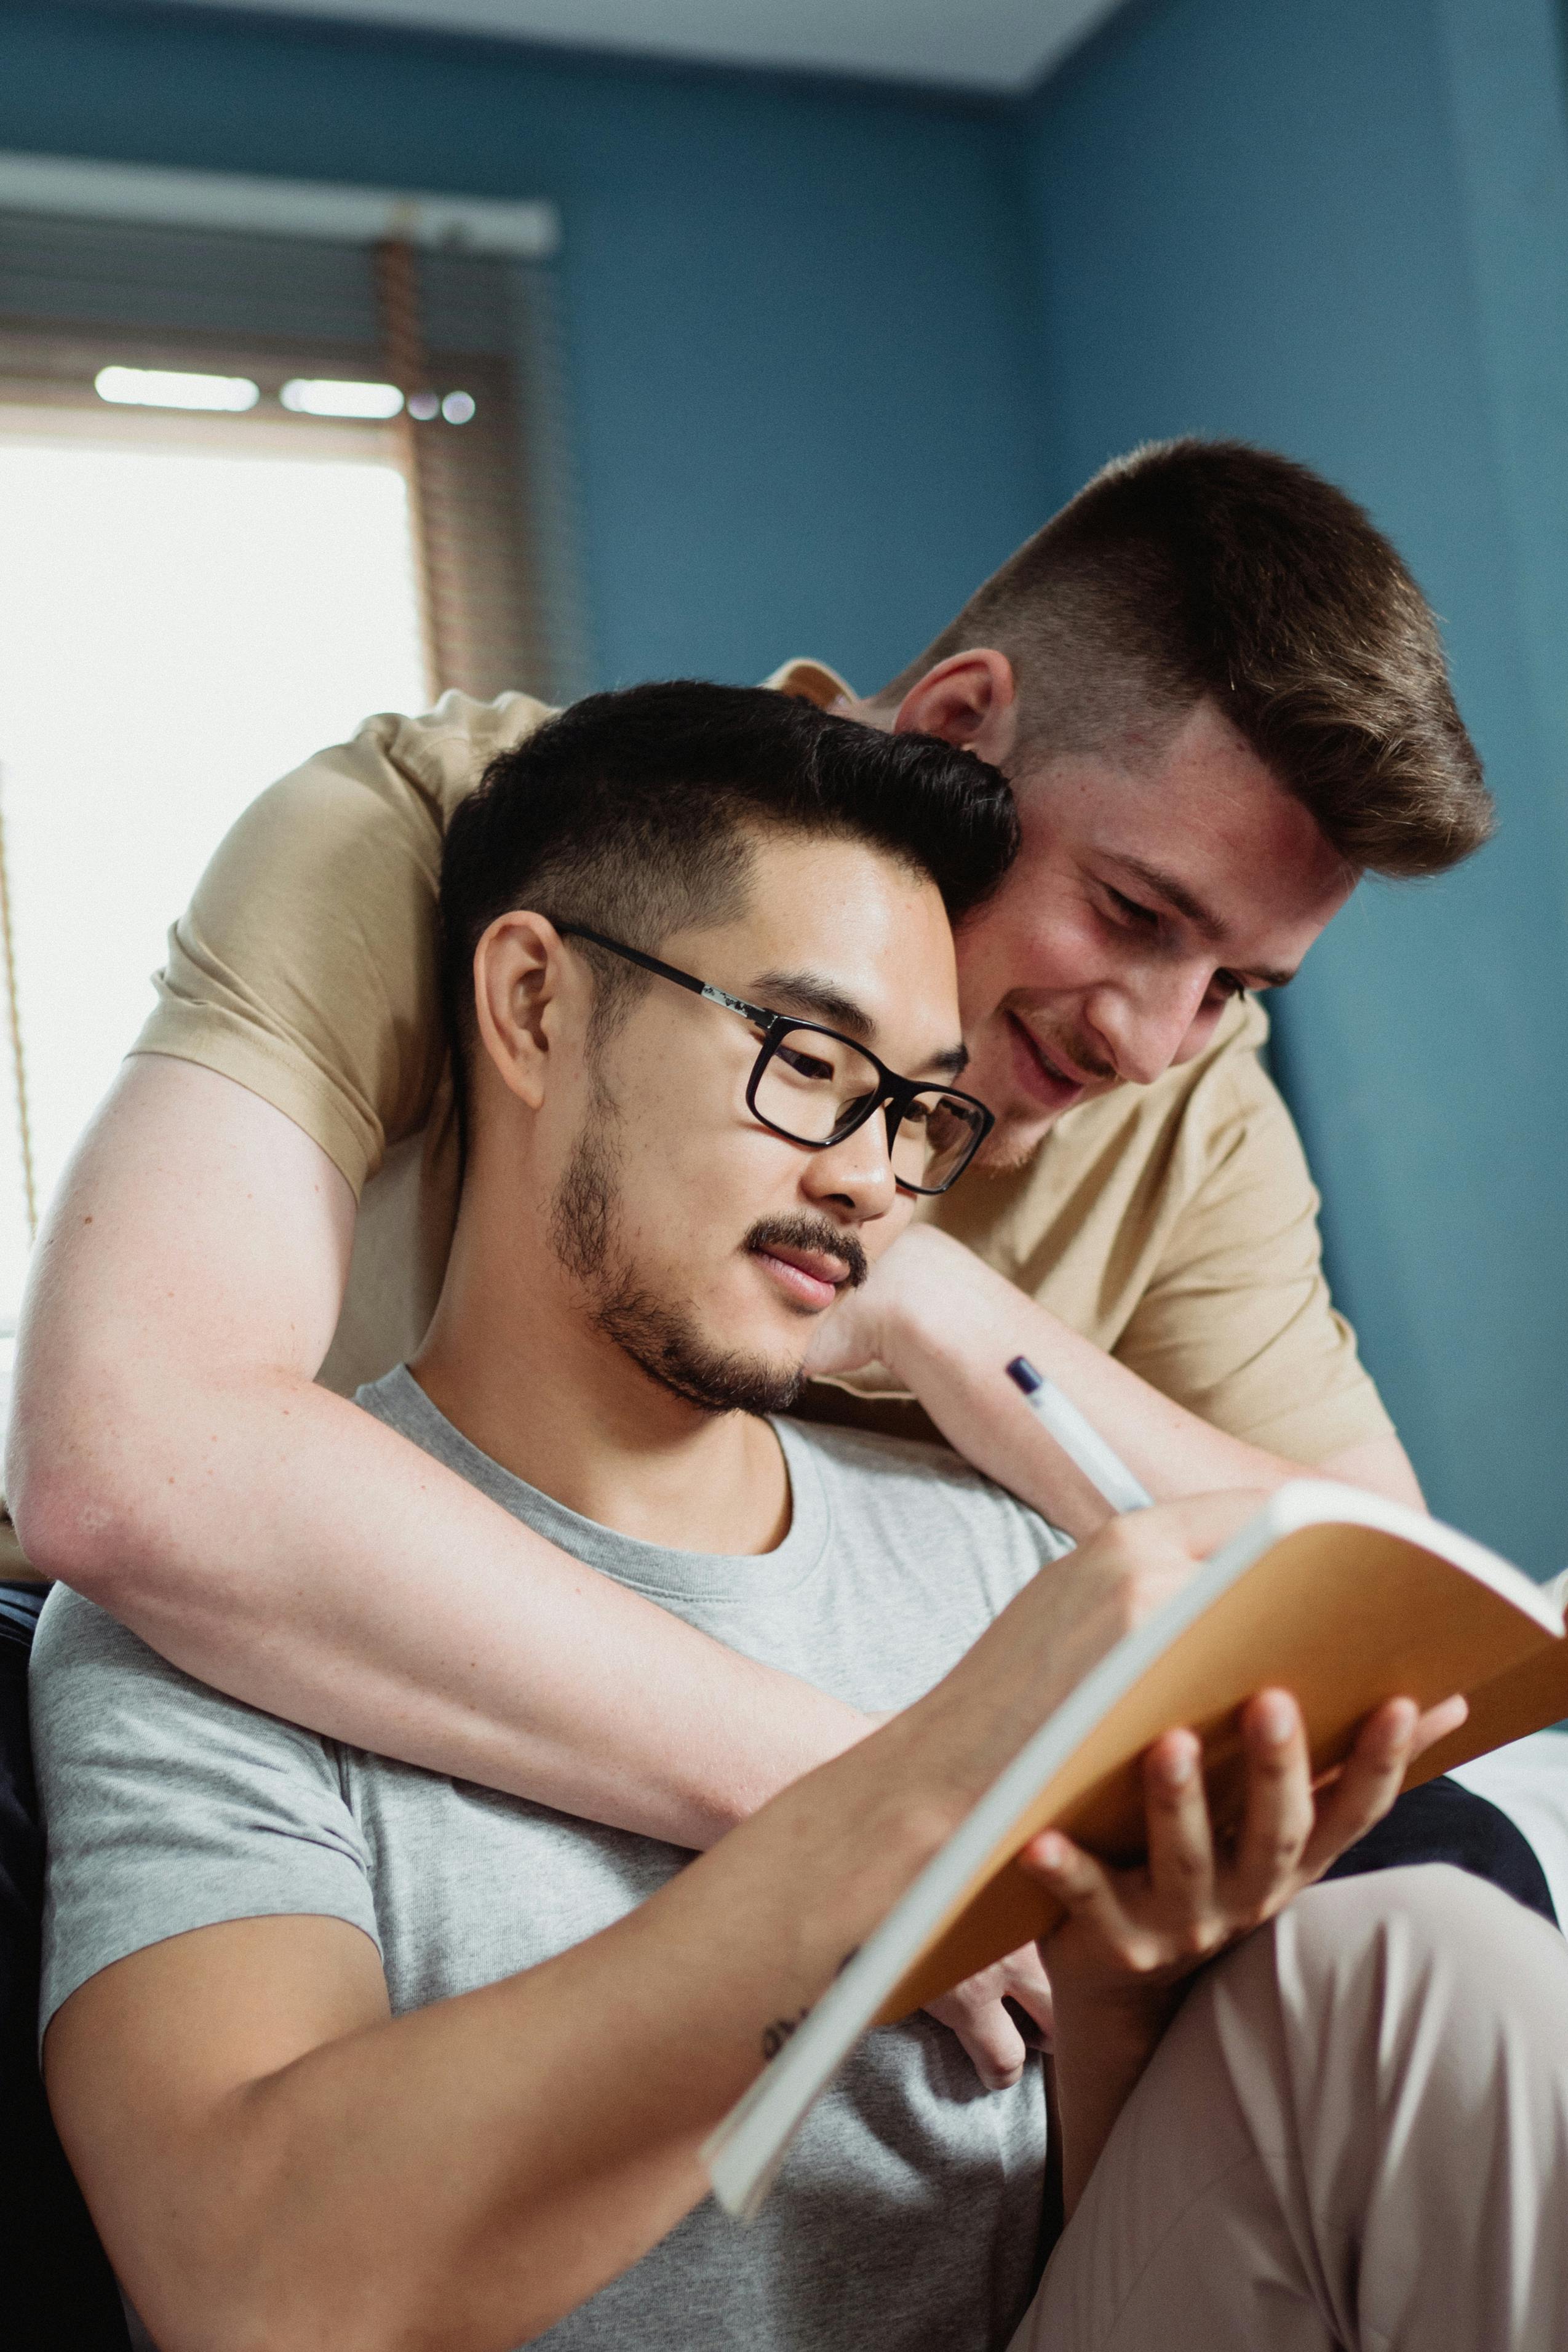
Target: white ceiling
x=997 y=45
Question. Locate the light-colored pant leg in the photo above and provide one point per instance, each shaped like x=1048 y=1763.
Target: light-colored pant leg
x=1354 y=2138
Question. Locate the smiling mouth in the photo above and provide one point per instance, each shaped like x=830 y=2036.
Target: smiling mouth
x=1047 y=1079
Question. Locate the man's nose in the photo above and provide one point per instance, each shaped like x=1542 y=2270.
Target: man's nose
x=1143 y=1028
x=856 y=1174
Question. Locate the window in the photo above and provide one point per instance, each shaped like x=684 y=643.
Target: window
x=358 y=494
x=178 y=622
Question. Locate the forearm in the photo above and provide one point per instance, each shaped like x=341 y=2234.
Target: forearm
x=950 y=1334
x=323 y=1569
x=1101 y=2053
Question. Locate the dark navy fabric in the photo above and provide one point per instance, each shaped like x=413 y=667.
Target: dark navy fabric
x=56 y=2291
x=1441 y=1822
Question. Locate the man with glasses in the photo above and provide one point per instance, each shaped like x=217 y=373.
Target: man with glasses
x=314 y=2018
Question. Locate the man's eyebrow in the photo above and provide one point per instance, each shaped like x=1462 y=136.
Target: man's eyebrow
x=1177 y=894
x=814 y=998
x=817 y=1000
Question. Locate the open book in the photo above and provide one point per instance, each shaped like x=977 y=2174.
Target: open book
x=1336 y=1595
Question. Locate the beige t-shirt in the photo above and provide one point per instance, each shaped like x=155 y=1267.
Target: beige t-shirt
x=1174 y=1225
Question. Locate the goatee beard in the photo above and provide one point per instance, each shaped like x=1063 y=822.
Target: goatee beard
x=660 y=1339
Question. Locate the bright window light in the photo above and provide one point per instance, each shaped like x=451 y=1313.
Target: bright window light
x=321 y=396
x=206 y=621
x=131 y=387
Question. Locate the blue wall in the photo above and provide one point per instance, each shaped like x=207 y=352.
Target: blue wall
x=1342 y=231
x=801 y=316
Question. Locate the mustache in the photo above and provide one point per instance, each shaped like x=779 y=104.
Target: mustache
x=1082 y=1056
x=803 y=1232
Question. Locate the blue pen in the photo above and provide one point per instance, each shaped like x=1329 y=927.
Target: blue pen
x=1079 y=1440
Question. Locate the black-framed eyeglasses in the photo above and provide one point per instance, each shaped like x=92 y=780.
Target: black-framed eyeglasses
x=815 y=1087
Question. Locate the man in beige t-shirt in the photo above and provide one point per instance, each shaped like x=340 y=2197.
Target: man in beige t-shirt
x=1219 y=696
x=1173 y=1224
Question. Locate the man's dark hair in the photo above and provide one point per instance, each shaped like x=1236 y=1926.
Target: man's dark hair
x=635 y=813
x=1196 y=570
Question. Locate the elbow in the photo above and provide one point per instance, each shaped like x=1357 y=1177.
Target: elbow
x=79 y=1503
x=285 y=2320
x=260 y=2307
x=68 y=1532
x=262 y=2289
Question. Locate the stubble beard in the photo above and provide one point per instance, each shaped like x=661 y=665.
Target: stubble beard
x=661 y=1338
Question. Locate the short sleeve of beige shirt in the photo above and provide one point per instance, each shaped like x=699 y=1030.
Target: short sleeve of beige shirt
x=1174 y=1225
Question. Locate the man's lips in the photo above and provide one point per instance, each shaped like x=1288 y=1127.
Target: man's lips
x=810 y=1278
x=1050 y=1080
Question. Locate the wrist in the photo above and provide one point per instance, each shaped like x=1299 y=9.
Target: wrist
x=941 y=1312
x=1121 y=2023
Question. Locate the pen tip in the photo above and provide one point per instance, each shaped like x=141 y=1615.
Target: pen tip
x=1022 y=1374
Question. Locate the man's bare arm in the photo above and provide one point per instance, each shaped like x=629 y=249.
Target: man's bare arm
x=1380 y=1464
x=271 y=2160
x=171 y=1457
x=947 y=1325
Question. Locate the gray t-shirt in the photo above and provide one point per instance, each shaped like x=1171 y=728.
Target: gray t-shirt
x=908 y=2213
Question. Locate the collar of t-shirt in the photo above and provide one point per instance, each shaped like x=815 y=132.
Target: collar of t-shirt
x=651 y=1568
x=810 y=681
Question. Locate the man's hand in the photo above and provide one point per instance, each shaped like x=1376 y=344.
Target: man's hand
x=924 y=1275
x=977 y=2012
x=1131 y=1937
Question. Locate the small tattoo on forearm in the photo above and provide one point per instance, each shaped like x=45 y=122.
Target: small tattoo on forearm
x=778 y=2032
x=777 y=2035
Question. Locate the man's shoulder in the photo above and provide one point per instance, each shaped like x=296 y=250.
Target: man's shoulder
x=858 y=1453
x=810 y=681
x=441 y=755
x=436 y=757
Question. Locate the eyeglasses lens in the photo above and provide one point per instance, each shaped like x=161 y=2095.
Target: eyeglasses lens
x=813 y=1086
x=943 y=1130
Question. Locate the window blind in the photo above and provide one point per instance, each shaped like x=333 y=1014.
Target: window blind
x=493 y=498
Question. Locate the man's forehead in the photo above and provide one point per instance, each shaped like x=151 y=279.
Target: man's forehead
x=1210 y=832
x=840 y=932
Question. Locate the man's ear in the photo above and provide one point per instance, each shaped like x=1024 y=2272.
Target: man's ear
x=969 y=700
x=524 y=982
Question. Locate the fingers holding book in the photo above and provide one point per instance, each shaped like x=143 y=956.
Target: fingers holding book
x=1137 y=1932
x=1129 y=1939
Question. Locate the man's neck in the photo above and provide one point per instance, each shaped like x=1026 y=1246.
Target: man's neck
x=514 y=1363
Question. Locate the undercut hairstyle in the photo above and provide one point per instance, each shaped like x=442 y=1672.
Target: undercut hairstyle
x=637 y=814
x=1208 y=570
